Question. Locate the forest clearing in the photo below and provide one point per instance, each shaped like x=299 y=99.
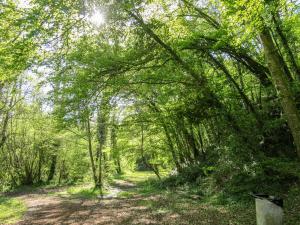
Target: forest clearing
x=150 y=112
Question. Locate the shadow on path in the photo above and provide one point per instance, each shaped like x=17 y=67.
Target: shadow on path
x=138 y=209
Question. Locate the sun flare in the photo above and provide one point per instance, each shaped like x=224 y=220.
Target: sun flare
x=97 y=18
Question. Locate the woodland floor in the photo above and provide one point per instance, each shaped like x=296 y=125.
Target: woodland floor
x=130 y=202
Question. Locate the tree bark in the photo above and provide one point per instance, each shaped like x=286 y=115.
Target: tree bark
x=91 y=151
x=282 y=86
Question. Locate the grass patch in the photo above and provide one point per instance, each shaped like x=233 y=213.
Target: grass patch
x=146 y=183
x=126 y=194
x=136 y=176
x=11 y=210
x=80 y=191
x=292 y=206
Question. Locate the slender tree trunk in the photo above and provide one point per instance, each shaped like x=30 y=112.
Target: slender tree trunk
x=52 y=168
x=185 y=155
x=91 y=151
x=101 y=136
x=235 y=85
x=118 y=162
x=114 y=149
x=100 y=166
x=282 y=85
x=201 y=143
x=155 y=108
x=191 y=142
x=150 y=166
x=61 y=171
x=171 y=147
x=40 y=164
x=288 y=51
x=5 y=124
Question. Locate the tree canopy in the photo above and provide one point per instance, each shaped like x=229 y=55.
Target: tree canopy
x=92 y=88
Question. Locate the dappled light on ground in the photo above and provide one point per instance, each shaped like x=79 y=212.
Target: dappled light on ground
x=134 y=210
x=134 y=203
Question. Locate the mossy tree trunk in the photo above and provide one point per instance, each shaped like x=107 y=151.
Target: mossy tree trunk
x=282 y=86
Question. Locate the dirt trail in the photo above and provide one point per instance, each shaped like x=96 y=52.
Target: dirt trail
x=159 y=208
x=46 y=209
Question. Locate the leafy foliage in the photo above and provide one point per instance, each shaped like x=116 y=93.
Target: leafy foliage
x=209 y=90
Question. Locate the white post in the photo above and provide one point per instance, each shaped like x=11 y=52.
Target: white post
x=268 y=213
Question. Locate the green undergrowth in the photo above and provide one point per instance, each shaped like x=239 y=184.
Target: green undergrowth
x=185 y=202
x=40 y=188
x=167 y=196
x=11 y=210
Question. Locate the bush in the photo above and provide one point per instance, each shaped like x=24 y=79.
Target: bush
x=188 y=175
x=271 y=175
x=234 y=181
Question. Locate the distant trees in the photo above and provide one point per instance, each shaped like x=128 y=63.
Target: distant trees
x=29 y=145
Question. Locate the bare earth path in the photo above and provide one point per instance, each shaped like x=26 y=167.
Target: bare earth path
x=134 y=208
x=46 y=209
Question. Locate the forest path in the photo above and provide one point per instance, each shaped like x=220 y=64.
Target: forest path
x=53 y=206
x=132 y=200
x=46 y=208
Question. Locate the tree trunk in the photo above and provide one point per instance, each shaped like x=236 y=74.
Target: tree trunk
x=171 y=147
x=91 y=151
x=114 y=148
x=5 y=124
x=52 y=168
x=101 y=137
x=282 y=86
x=288 y=51
x=100 y=180
x=61 y=171
x=235 y=86
x=154 y=168
x=118 y=162
x=40 y=163
x=201 y=143
x=155 y=108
